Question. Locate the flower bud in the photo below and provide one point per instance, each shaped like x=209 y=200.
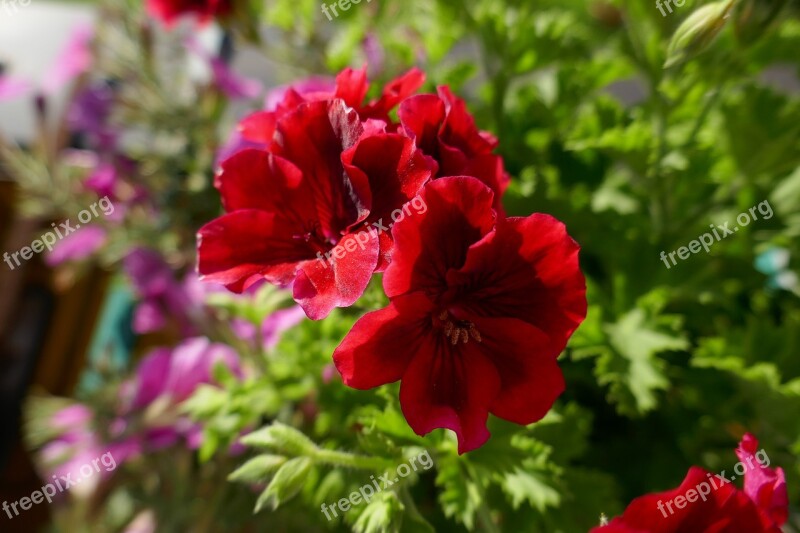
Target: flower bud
x=697 y=31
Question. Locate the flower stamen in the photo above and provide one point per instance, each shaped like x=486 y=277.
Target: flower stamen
x=459 y=330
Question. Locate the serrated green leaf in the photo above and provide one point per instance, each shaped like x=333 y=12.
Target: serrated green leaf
x=282 y=438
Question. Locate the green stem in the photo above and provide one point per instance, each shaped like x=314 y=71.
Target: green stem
x=350 y=460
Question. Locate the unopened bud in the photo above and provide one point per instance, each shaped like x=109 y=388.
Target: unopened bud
x=698 y=31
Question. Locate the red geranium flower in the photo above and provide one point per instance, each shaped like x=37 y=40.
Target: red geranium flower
x=168 y=11
x=480 y=309
x=711 y=503
x=351 y=86
x=299 y=213
x=445 y=130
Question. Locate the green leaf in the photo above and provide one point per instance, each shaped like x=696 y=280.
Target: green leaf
x=282 y=438
x=631 y=368
x=527 y=486
x=206 y=401
x=383 y=514
x=460 y=497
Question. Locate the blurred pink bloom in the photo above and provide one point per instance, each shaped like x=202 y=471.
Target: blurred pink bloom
x=76 y=246
x=278 y=322
x=11 y=88
x=765 y=486
x=171 y=376
x=373 y=49
x=74 y=59
x=229 y=82
x=176 y=374
x=235 y=143
x=78 y=445
x=314 y=88
x=162 y=295
x=73 y=416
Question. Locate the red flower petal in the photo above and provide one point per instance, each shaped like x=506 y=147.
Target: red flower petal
x=256 y=179
x=393 y=93
x=259 y=127
x=527 y=269
x=322 y=285
x=452 y=387
x=429 y=244
x=395 y=171
x=724 y=509
x=240 y=248
x=363 y=359
x=530 y=377
x=352 y=86
x=313 y=137
x=459 y=129
x=444 y=130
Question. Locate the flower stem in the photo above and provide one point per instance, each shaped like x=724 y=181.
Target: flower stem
x=350 y=460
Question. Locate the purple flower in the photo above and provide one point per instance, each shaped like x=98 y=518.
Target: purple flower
x=89 y=113
x=162 y=295
x=375 y=54
x=165 y=378
x=175 y=374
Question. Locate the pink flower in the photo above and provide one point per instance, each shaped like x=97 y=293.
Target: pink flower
x=76 y=246
x=11 y=88
x=175 y=374
x=75 y=58
x=765 y=486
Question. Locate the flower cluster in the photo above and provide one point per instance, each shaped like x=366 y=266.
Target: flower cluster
x=762 y=507
x=481 y=305
x=147 y=415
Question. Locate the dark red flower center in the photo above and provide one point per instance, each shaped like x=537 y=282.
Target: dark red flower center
x=314 y=237
x=457 y=330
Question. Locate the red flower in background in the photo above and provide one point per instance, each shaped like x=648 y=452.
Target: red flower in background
x=169 y=11
x=323 y=181
x=444 y=130
x=351 y=86
x=710 y=503
x=480 y=309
